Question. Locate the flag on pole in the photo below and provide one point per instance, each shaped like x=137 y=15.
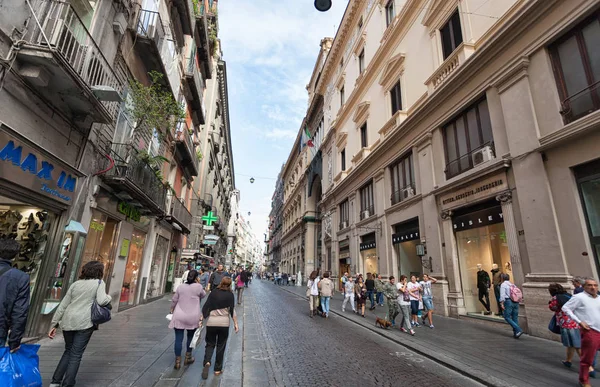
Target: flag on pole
x=309 y=141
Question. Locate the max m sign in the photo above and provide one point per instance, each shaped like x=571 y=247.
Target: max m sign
x=24 y=164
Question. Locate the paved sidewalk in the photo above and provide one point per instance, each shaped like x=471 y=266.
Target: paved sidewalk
x=136 y=349
x=487 y=353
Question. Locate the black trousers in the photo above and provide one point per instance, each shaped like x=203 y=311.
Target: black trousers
x=484 y=293
x=216 y=337
x=75 y=344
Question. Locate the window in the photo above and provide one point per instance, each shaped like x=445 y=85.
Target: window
x=360 y=23
x=361 y=61
x=451 y=35
x=363 y=136
x=396 y=98
x=342 y=96
x=403 y=179
x=343 y=155
x=468 y=140
x=367 y=208
x=344 y=214
x=390 y=12
x=576 y=62
x=342 y=63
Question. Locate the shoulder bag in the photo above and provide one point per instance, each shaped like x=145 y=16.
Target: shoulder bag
x=100 y=314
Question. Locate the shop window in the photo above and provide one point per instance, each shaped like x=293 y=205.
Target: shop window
x=367 y=206
x=403 y=179
x=468 y=140
x=343 y=157
x=99 y=244
x=156 y=280
x=361 y=61
x=344 y=214
x=405 y=240
x=390 y=12
x=131 y=278
x=396 y=98
x=451 y=34
x=588 y=180
x=576 y=62
x=363 y=136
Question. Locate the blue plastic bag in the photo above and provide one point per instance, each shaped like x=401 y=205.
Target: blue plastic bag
x=22 y=368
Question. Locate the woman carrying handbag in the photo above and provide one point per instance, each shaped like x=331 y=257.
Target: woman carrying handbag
x=74 y=317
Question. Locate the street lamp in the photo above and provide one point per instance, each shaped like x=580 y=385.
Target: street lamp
x=252 y=180
x=322 y=5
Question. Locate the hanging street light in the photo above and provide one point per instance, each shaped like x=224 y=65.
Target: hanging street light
x=252 y=180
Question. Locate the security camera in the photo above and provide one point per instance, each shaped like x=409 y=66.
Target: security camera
x=322 y=5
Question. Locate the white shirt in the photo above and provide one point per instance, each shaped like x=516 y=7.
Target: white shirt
x=426 y=288
x=504 y=291
x=314 y=286
x=415 y=289
x=401 y=296
x=583 y=307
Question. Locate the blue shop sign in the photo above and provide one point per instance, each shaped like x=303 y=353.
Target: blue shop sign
x=24 y=165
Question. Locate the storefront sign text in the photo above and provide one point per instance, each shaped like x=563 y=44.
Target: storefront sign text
x=476 y=219
x=478 y=190
x=367 y=246
x=405 y=236
x=129 y=211
x=25 y=166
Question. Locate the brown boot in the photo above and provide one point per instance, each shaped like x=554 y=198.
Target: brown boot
x=188 y=358
x=177 y=362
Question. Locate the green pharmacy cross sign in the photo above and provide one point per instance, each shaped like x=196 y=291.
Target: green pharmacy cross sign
x=210 y=218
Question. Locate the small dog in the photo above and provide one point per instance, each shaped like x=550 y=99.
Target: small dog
x=382 y=323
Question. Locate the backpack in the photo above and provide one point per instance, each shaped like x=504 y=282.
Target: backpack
x=515 y=293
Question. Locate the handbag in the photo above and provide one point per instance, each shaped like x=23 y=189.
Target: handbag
x=553 y=326
x=100 y=314
x=196 y=338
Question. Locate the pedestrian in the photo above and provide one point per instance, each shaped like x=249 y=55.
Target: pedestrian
x=74 y=317
x=185 y=307
x=584 y=309
x=404 y=303
x=14 y=297
x=216 y=277
x=248 y=278
x=240 y=283
x=294 y=279
x=204 y=277
x=218 y=309
x=343 y=282
x=391 y=295
x=360 y=295
x=510 y=307
x=427 y=299
x=349 y=294
x=370 y=284
x=326 y=287
x=379 y=290
x=313 y=292
x=414 y=292
x=569 y=329
x=496 y=282
x=578 y=285
x=284 y=279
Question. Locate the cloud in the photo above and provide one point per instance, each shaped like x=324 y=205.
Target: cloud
x=281 y=133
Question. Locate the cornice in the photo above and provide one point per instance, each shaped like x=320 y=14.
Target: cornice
x=515 y=71
x=571 y=130
x=362 y=112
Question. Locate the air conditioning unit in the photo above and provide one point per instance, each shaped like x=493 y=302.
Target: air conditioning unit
x=482 y=155
x=366 y=214
x=408 y=193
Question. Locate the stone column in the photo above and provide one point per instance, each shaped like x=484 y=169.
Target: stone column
x=456 y=302
x=505 y=199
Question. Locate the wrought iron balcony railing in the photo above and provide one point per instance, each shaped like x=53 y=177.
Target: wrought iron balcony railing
x=403 y=193
x=181 y=214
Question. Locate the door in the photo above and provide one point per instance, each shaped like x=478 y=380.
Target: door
x=588 y=180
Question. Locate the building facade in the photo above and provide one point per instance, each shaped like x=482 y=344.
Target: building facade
x=455 y=138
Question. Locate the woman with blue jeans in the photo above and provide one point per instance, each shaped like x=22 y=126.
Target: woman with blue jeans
x=414 y=292
x=510 y=308
x=326 y=287
x=185 y=307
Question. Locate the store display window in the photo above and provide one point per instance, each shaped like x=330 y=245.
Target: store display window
x=158 y=264
x=100 y=243
x=132 y=269
x=30 y=226
x=368 y=252
x=406 y=239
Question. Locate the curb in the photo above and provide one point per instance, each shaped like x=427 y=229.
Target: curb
x=478 y=376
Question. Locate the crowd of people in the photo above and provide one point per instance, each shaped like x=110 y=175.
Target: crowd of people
x=279 y=278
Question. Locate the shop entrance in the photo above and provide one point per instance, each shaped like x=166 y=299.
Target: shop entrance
x=588 y=180
x=405 y=239
x=130 y=286
x=481 y=242
x=100 y=243
x=368 y=252
x=157 y=271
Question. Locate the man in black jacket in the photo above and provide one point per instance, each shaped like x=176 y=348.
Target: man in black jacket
x=216 y=277
x=14 y=296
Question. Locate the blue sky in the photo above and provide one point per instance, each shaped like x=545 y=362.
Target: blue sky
x=270 y=47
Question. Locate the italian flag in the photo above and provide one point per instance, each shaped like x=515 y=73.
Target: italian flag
x=309 y=141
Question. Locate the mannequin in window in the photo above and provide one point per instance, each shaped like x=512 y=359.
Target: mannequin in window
x=483 y=285
x=496 y=281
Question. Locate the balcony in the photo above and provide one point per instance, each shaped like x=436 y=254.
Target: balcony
x=581 y=103
x=202 y=39
x=149 y=37
x=367 y=212
x=193 y=88
x=180 y=215
x=185 y=151
x=449 y=67
x=134 y=180
x=182 y=12
x=63 y=63
x=403 y=193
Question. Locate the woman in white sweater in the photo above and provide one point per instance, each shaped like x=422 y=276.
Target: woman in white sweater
x=74 y=317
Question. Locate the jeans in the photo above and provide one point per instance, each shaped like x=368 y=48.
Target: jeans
x=428 y=303
x=371 y=298
x=179 y=339
x=348 y=297
x=240 y=292
x=405 y=310
x=414 y=307
x=511 y=315
x=68 y=366
x=325 y=304
x=216 y=337
x=380 y=298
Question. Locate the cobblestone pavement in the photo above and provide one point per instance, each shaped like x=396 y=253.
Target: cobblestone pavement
x=284 y=347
